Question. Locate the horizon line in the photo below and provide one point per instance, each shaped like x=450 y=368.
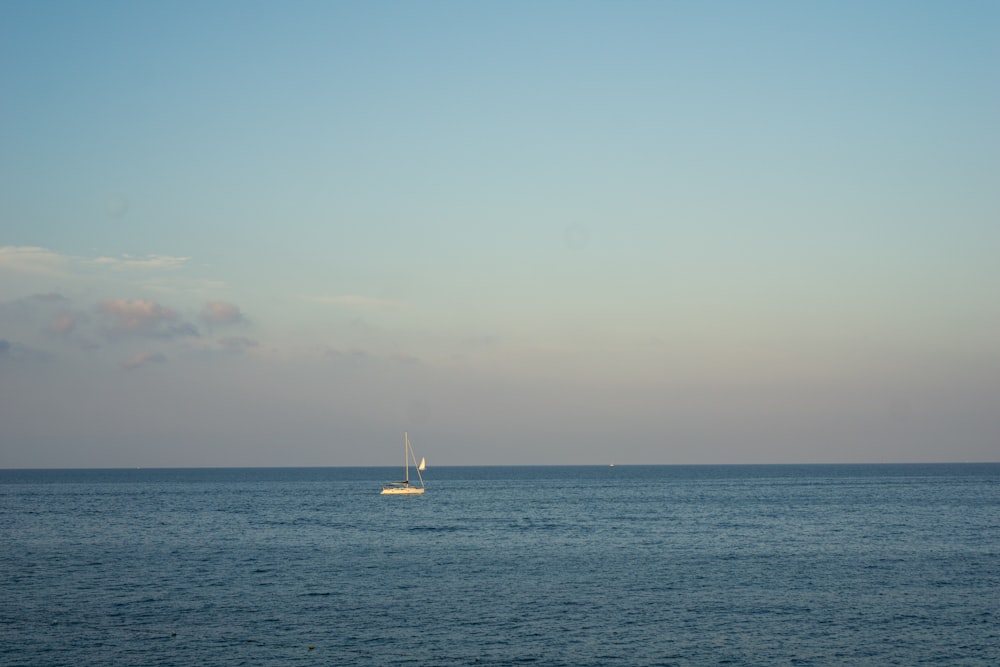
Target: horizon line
x=507 y=465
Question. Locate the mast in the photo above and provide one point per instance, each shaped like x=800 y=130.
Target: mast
x=412 y=456
x=406 y=456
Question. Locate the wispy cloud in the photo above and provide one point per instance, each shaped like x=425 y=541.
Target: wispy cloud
x=51 y=297
x=144 y=358
x=359 y=356
x=143 y=317
x=32 y=260
x=355 y=355
x=45 y=262
x=64 y=323
x=114 y=303
x=141 y=263
x=19 y=352
x=354 y=301
x=403 y=358
x=220 y=312
x=237 y=344
x=63 y=320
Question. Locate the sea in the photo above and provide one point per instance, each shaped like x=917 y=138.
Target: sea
x=593 y=565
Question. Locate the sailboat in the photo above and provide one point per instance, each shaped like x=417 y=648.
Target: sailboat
x=404 y=487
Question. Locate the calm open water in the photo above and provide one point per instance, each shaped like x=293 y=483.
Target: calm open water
x=631 y=565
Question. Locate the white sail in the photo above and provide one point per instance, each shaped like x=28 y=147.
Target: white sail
x=423 y=464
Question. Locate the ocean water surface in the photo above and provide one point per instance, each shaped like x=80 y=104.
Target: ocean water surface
x=626 y=565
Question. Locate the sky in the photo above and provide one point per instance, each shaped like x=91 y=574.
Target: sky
x=266 y=234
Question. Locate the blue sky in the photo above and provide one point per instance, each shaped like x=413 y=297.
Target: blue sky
x=259 y=233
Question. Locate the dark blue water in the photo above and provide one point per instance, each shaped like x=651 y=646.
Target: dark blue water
x=743 y=565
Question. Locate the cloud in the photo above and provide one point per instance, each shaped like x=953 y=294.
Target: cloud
x=25 y=317
x=64 y=323
x=220 y=312
x=142 y=317
x=357 y=355
x=57 y=308
x=354 y=301
x=144 y=358
x=32 y=259
x=237 y=344
x=18 y=352
x=148 y=262
x=51 y=297
x=404 y=358
x=44 y=262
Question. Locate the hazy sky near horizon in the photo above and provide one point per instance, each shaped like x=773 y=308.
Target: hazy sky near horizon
x=263 y=233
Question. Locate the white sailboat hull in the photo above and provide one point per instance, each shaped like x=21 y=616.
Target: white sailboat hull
x=401 y=490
